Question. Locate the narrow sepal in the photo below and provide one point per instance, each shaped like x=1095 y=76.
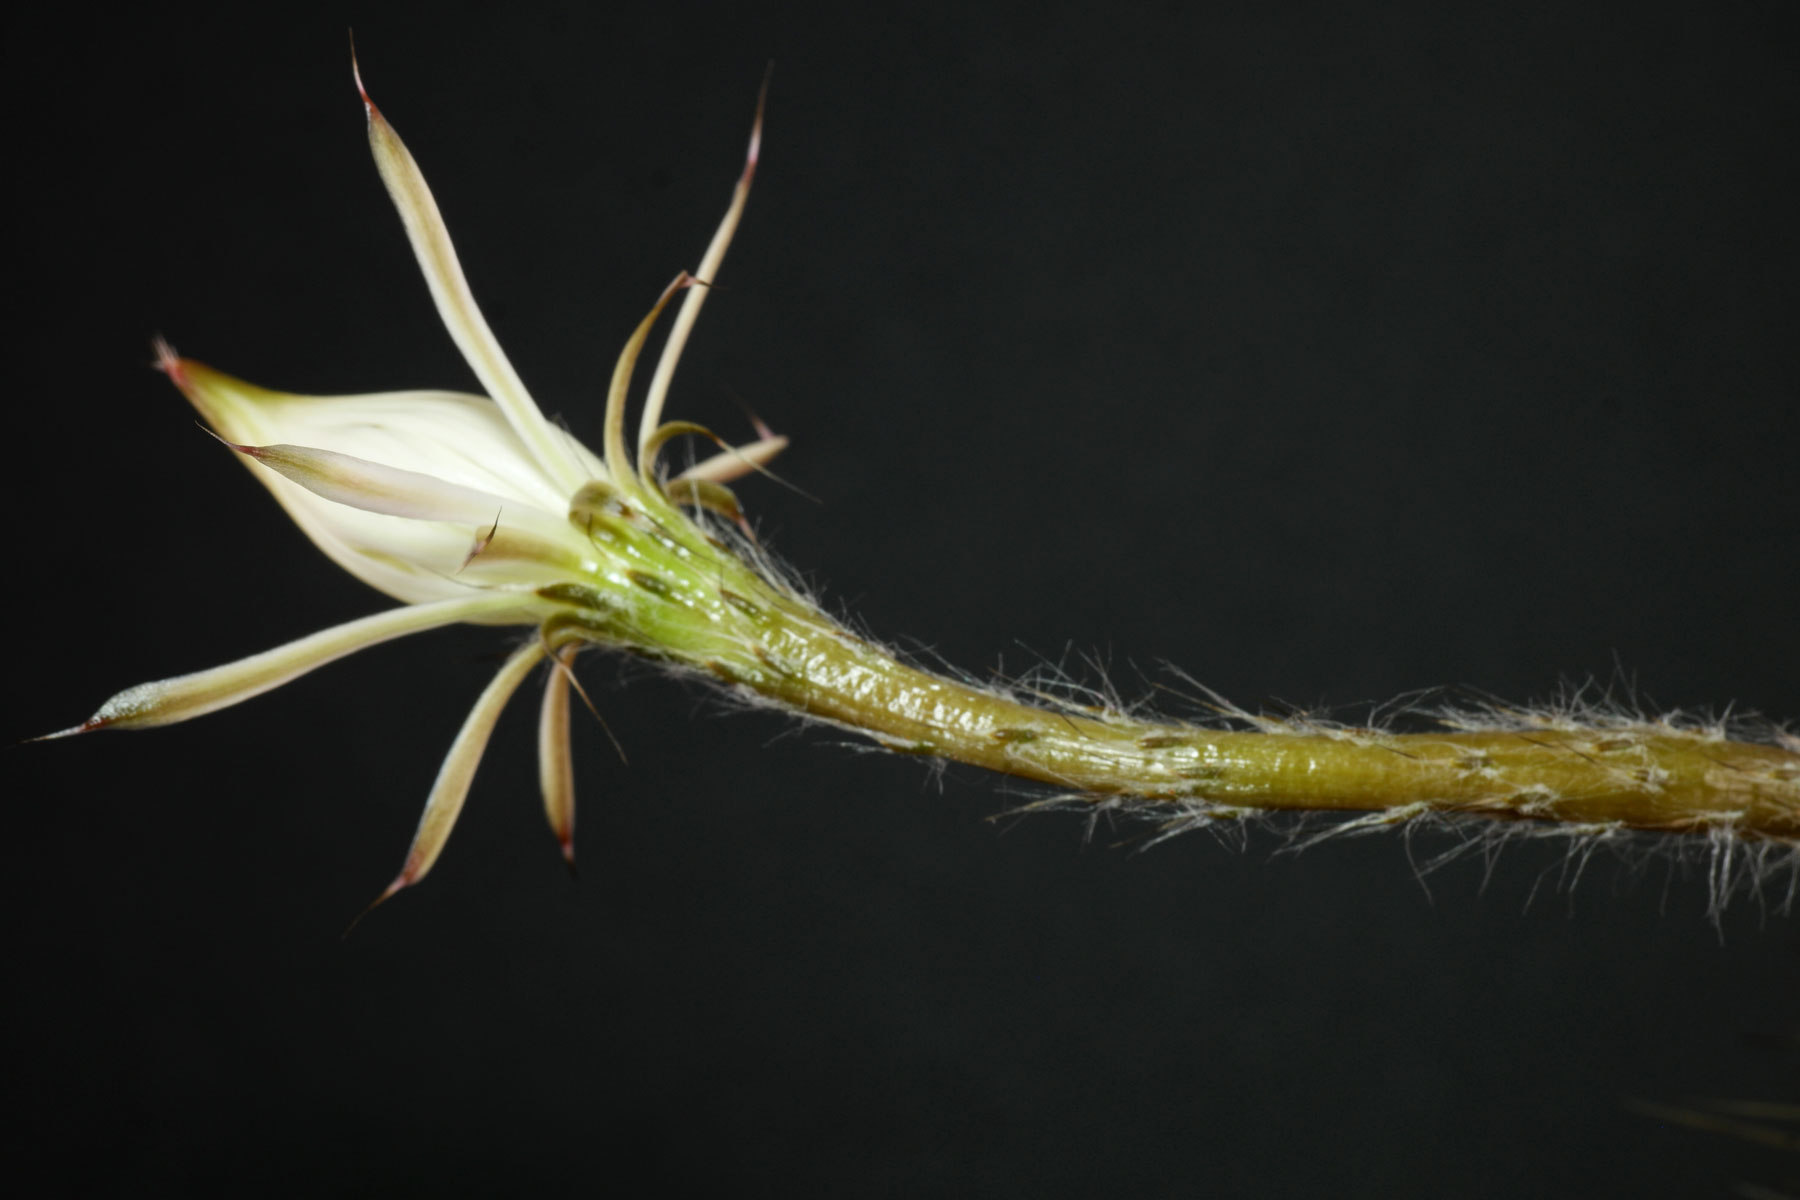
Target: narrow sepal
x=708 y=272
x=167 y=701
x=618 y=460
x=445 y=803
x=703 y=493
x=456 y=305
x=737 y=461
x=556 y=767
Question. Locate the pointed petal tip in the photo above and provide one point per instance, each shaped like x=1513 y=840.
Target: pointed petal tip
x=87 y=726
x=356 y=74
x=405 y=879
x=169 y=363
x=256 y=452
x=753 y=155
x=392 y=889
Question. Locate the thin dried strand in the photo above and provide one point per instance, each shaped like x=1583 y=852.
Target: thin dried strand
x=708 y=272
x=184 y=697
x=445 y=803
x=556 y=767
x=456 y=303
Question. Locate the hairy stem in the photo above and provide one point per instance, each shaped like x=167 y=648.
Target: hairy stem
x=691 y=600
x=1651 y=777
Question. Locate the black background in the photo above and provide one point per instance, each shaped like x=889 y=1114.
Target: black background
x=1325 y=355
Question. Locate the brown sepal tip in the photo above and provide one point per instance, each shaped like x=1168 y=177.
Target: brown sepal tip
x=87 y=726
x=356 y=74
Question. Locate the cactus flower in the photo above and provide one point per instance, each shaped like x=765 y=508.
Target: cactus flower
x=477 y=509
x=464 y=508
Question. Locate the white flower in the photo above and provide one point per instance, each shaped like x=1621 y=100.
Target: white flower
x=475 y=509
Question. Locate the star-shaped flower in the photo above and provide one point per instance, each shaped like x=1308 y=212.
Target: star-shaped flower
x=477 y=509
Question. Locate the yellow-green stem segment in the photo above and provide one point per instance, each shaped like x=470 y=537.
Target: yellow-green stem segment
x=672 y=592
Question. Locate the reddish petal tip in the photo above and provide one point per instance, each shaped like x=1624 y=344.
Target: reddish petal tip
x=257 y=452
x=87 y=726
x=356 y=74
x=400 y=882
x=169 y=363
x=754 y=153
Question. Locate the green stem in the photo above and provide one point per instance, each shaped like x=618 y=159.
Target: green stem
x=1646 y=777
x=688 y=599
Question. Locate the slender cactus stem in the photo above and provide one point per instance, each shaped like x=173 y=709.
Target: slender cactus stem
x=695 y=602
x=1654 y=777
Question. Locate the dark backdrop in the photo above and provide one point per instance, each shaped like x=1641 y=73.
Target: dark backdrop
x=1324 y=355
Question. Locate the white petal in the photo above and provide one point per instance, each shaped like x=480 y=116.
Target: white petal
x=461 y=440
x=547 y=446
x=167 y=701
x=456 y=437
x=377 y=488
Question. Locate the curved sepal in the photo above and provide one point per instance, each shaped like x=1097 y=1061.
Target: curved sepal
x=167 y=701
x=445 y=803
